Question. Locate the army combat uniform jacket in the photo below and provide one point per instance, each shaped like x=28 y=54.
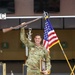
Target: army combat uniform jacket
x=35 y=54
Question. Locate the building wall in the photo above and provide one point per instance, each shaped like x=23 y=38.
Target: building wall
x=26 y=8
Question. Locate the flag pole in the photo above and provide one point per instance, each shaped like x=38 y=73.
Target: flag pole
x=73 y=70
x=66 y=58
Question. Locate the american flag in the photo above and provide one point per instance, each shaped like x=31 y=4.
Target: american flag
x=50 y=37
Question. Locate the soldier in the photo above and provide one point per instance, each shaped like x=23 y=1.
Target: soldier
x=36 y=52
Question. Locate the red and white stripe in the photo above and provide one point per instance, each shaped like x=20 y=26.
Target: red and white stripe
x=52 y=39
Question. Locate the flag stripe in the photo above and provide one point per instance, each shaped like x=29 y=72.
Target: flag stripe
x=53 y=43
x=52 y=31
x=53 y=39
x=51 y=34
x=45 y=44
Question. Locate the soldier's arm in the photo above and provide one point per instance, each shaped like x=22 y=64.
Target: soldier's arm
x=24 y=39
x=48 y=62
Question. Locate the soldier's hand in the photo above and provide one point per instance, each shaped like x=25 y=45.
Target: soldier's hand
x=11 y=27
x=46 y=72
x=23 y=24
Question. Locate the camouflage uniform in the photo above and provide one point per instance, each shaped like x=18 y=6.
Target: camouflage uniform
x=35 y=54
